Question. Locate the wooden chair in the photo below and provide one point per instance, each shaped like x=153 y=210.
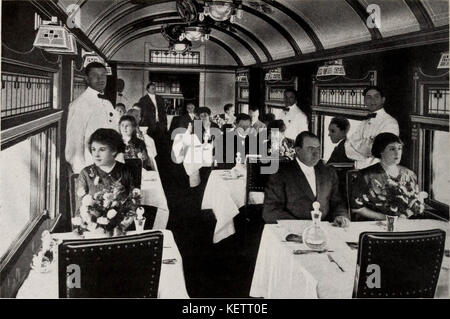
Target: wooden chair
x=135 y=165
x=351 y=178
x=73 y=178
x=399 y=264
x=117 y=267
x=341 y=171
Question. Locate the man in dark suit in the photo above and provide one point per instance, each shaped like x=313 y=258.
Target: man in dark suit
x=337 y=131
x=290 y=193
x=153 y=112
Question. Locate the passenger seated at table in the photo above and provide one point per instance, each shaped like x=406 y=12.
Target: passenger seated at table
x=141 y=134
x=238 y=140
x=209 y=128
x=104 y=145
x=337 y=131
x=386 y=188
x=290 y=193
x=277 y=143
x=134 y=147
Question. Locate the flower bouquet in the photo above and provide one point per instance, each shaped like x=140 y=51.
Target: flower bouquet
x=108 y=210
x=397 y=197
x=284 y=149
x=218 y=120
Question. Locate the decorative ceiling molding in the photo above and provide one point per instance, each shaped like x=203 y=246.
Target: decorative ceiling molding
x=255 y=39
x=419 y=38
x=277 y=26
x=421 y=14
x=140 y=24
x=156 y=31
x=102 y=17
x=244 y=43
x=363 y=14
x=300 y=21
x=121 y=34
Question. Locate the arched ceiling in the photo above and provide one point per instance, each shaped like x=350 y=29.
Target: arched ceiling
x=290 y=28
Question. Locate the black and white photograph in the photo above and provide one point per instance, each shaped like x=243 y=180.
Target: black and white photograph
x=214 y=150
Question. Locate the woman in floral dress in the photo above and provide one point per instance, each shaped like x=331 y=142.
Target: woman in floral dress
x=386 y=188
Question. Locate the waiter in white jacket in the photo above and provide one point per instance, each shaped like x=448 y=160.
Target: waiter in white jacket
x=359 y=145
x=294 y=118
x=89 y=112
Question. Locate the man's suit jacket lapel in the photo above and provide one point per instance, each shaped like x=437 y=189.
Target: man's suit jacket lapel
x=301 y=182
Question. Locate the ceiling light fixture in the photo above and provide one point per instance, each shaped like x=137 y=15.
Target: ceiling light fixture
x=331 y=68
x=221 y=10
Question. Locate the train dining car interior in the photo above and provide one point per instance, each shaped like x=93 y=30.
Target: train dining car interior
x=275 y=149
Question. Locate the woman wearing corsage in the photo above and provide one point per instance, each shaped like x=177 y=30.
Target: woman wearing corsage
x=106 y=194
x=386 y=188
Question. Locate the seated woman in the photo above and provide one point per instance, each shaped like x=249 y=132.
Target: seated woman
x=134 y=148
x=104 y=145
x=149 y=142
x=386 y=188
x=277 y=143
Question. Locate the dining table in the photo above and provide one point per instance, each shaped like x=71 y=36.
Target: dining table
x=225 y=195
x=281 y=273
x=152 y=193
x=172 y=285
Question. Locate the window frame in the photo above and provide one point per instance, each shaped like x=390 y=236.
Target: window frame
x=422 y=124
x=48 y=194
x=17 y=129
x=320 y=111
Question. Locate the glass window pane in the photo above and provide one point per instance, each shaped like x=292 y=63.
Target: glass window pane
x=15 y=182
x=276 y=111
x=328 y=146
x=243 y=108
x=440 y=179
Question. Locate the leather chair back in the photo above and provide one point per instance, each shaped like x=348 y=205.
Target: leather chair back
x=351 y=178
x=256 y=181
x=399 y=264
x=117 y=267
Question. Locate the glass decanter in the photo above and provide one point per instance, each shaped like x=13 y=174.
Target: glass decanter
x=314 y=236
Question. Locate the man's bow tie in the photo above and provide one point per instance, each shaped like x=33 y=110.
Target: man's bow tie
x=370 y=116
x=101 y=96
x=286 y=109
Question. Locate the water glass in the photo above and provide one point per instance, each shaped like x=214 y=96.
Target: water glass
x=391 y=222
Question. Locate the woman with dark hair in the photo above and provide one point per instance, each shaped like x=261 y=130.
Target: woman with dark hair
x=386 y=188
x=104 y=145
x=135 y=148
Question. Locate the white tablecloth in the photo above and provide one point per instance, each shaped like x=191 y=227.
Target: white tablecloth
x=189 y=150
x=153 y=195
x=281 y=274
x=225 y=195
x=171 y=281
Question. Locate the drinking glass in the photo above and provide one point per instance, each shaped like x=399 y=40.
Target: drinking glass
x=391 y=222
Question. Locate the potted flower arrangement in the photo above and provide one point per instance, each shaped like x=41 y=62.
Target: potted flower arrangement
x=107 y=212
x=397 y=197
